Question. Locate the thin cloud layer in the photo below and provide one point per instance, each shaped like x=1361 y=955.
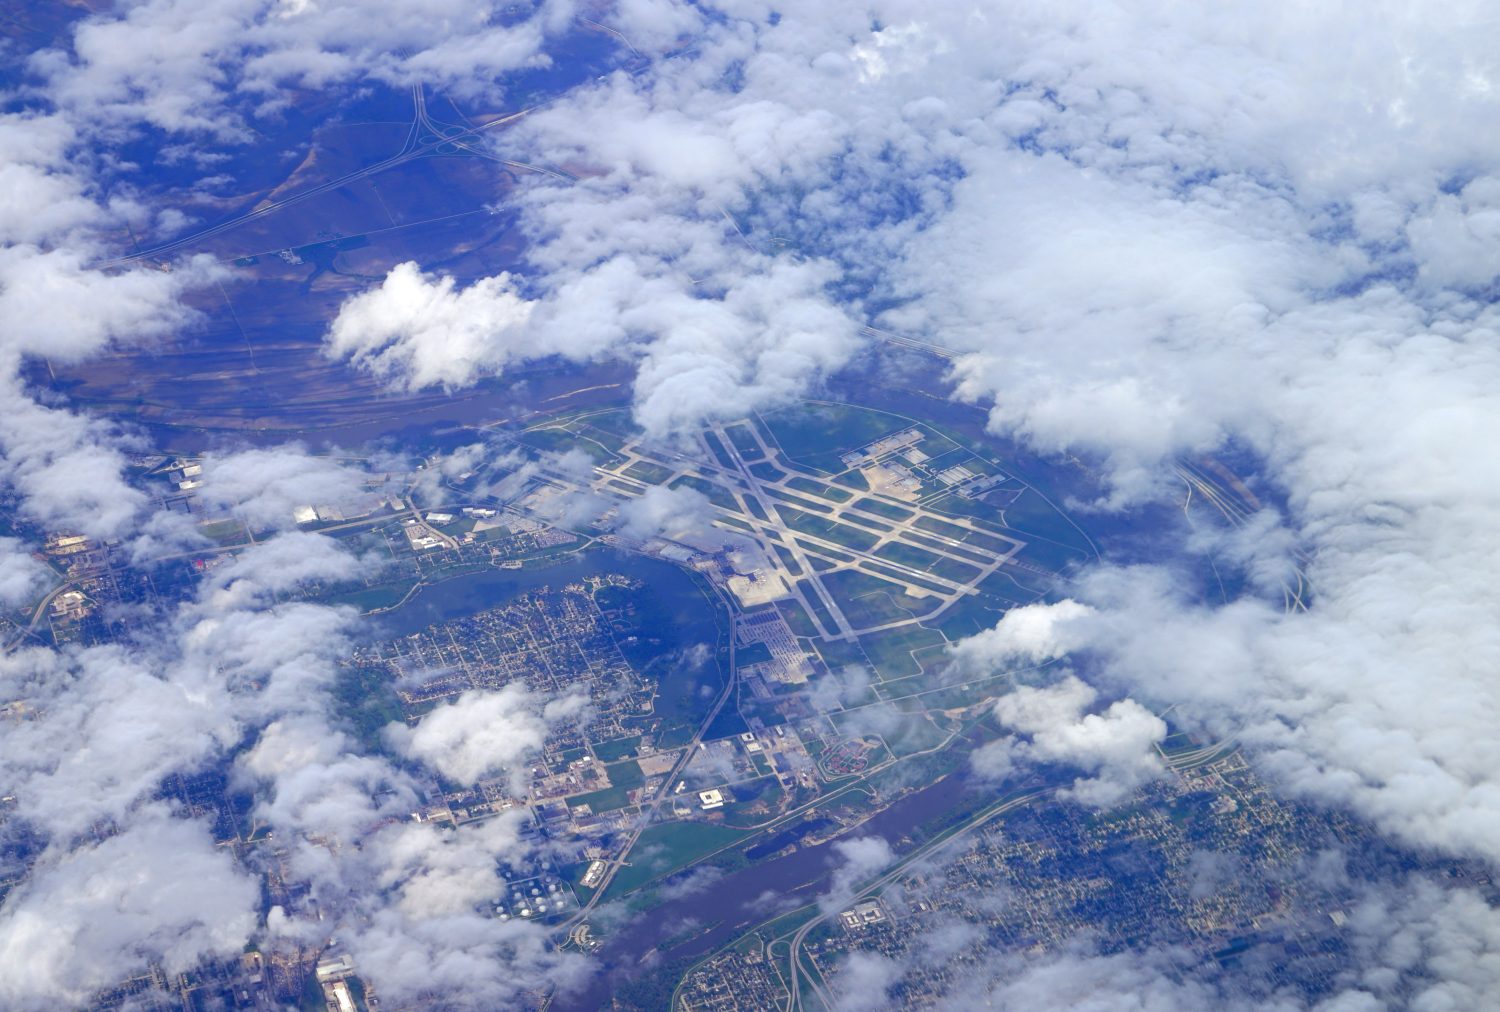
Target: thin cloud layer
x=160 y=891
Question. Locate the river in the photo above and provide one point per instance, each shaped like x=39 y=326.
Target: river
x=742 y=899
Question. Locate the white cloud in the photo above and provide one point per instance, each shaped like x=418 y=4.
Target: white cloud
x=864 y=980
x=264 y=486
x=418 y=332
x=160 y=891
x=1145 y=229
x=107 y=728
x=224 y=51
x=1117 y=746
x=680 y=513
x=483 y=733
x=860 y=860
x=702 y=353
x=1033 y=632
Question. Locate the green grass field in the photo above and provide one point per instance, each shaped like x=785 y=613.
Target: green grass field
x=606 y=800
x=625 y=774
x=717 y=494
x=666 y=847
x=609 y=751
x=744 y=442
x=820 y=611
x=868 y=600
x=840 y=534
x=796 y=618
x=957 y=533
x=819 y=489
x=884 y=509
x=891 y=651
x=653 y=474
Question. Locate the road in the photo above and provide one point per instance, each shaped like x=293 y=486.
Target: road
x=648 y=811
x=794 y=945
x=1238 y=513
x=802 y=559
x=417 y=145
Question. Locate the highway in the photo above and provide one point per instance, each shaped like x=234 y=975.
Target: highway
x=794 y=981
x=1237 y=512
x=648 y=810
x=418 y=145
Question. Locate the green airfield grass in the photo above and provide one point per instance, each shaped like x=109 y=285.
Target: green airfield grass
x=865 y=523
x=890 y=651
x=869 y=601
x=819 y=554
x=977 y=538
x=653 y=474
x=973 y=614
x=884 y=509
x=811 y=487
x=941 y=547
x=716 y=447
x=715 y=493
x=788 y=560
x=854 y=480
x=804 y=504
x=928 y=562
x=838 y=533
x=796 y=618
x=897 y=576
x=744 y=442
x=820 y=610
x=1033 y=515
x=557 y=440
x=816 y=434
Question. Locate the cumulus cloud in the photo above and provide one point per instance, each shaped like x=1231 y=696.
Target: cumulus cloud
x=1117 y=745
x=160 y=891
x=864 y=980
x=1081 y=980
x=673 y=513
x=1033 y=633
x=702 y=350
x=416 y=331
x=1133 y=225
x=21 y=575
x=483 y=733
x=228 y=50
x=1140 y=238
x=120 y=883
